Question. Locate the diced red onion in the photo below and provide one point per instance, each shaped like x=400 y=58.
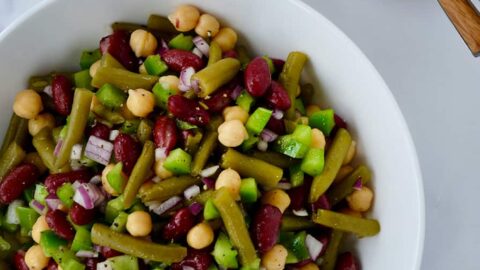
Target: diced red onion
x=209 y=182
x=163 y=46
x=48 y=90
x=156 y=179
x=285 y=185
x=53 y=202
x=38 y=207
x=268 y=135
x=209 y=171
x=314 y=246
x=186 y=267
x=202 y=45
x=11 y=215
x=113 y=134
x=185 y=79
x=300 y=213
x=161 y=208
x=191 y=192
x=358 y=185
x=58 y=147
x=88 y=195
x=196 y=208
x=160 y=153
x=105 y=265
x=277 y=114
x=76 y=153
x=197 y=52
x=97 y=248
x=97 y=179
x=86 y=254
x=99 y=150
x=262 y=145
x=236 y=92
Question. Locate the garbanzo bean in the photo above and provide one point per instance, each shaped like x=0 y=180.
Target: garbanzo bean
x=39 y=122
x=207 y=26
x=38 y=227
x=277 y=198
x=235 y=113
x=140 y=102
x=27 y=104
x=139 y=223
x=170 y=82
x=184 y=18
x=143 y=43
x=200 y=236
x=35 y=258
x=226 y=38
x=108 y=188
x=275 y=258
x=231 y=180
x=360 y=200
x=318 y=139
x=160 y=171
x=232 y=133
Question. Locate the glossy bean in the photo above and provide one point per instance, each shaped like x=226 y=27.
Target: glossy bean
x=118 y=45
x=54 y=181
x=58 y=223
x=62 y=94
x=290 y=77
x=266 y=227
x=81 y=216
x=257 y=77
x=126 y=150
x=165 y=133
x=178 y=60
x=16 y=181
x=188 y=110
x=179 y=225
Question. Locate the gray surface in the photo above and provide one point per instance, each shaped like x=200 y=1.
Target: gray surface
x=436 y=82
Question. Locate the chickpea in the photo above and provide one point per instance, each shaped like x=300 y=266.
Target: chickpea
x=37 y=228
x=140 y=102
x=39 y=122
x=169 y=82
x=184 y=18
x=143 y=43
x=139 y=223
x=360 y=200
x=207 y=26
x=232 y=133
x=277 y=198
x=318 y=139
x=231 y=180
x=310 y=266
x=351 y=153
x=312 y=109
x=142 y=69
x=200 y=236
x=94 y=67
x=108 y=188
x=35 y=258
x=350 y=212
x=27 y=104
x=275 y=258
x=343 y=172
x=226 y=38
x=235 y=113
x=160 y=171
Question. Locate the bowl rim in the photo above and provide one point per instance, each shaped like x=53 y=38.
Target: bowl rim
x=410 y=145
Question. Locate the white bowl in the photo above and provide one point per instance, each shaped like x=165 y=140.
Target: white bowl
x=52 y=35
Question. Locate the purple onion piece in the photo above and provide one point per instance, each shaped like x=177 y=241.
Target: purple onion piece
x=161 y=208
x=358 y=185
x=209 y=182
x=185 y=79
x=196 y=208
x=202 y=45
x=268 y=135
x=99 y=150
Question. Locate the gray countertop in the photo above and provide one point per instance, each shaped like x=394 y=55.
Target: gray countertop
x=436 y=82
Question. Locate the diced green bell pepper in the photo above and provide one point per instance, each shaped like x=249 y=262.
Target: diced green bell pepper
x=162 y=93
x=123 y=262
x=249 y=143
x=89 y=57
x=297 y=176
x=113 y=209
x=249 y=190
x=245 y=101
x=29 y=193
x=291 y=258
x=184 y=125
x=313 y=162
x=41 y=193
x=181 y=42
x=303 y=134
x=120 y=222
x=144 y=130
x=111 y=96
x=323 y=120
x=224 y=253
x=296 y=244
x=65 y=194
x=299 y=106
x=27 y=217
x=130 y=126
x=210 y=211
x=82 y=240
x=287 y=145
x=178 y=162
x=258 y=120
x=83 y=79
x=154 y=65
x=51 y=243
x=116 y=178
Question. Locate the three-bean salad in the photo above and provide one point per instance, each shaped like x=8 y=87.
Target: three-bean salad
x=174 y=147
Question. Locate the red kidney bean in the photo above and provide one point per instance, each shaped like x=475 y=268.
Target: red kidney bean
x=52 y=265
x=19 y=260
x=188 y=110
x=62 y=94
x=266 y=227
x=324 y=239
x=297 y=197
x=100 y=130
x=276 y=125
x=179 y=224
x=126 y=150
x=339 y=122
x=278 y=64
x=197 y=259
x=118 y=45
x=321 y=203
x=16 y=181
x=108 y=252
x=346 y=261
x=177 y=60
x=165 y=133
x=230 y=54
x=257 y=77
x=219 y=100
x=278 y=97
x=54 y=181
x=91 y=263
x=81 y=216
x=57 y=221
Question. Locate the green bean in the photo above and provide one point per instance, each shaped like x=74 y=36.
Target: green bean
x=44 y=144
x=206 y=148
x=216 y=75
x=108 y=60
x=35 y=159
x=203 y=197
x=123 y=79
x=333 y=161
x=234 y=222
x=109 y=115
x=104 y=236
x=11 y=158
x=161 y=24
x=330 y=256
x=214 y=54
x=274 y=158
x=126 y=26
x=144 y=130
x=17 y=131
x=38 y=83
x=294 y=223
x=193 y=142
x=264 y=173
x=290 y=77
x=243 y=56
x=76 y=126
x=167 y=188
x=359 y=226
x=214 y=123
x=139 y=174
x=341 y=190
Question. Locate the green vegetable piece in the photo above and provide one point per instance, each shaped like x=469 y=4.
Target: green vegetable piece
x=123 y=262
x=323 y=120
x=17 y=131
x=181 y=42
x=144 y=130
x=258 y=120
x=168 y=188
x=291 y=258
x=82 y=240
x=130 y=126
x=44 y=144
x=65 y=194
x=29 y=193
x=296 y=244
x=330 y=257
x=109 y=61
x=294 y=223
x=41 y=193
x=290 y=78
x=214 y=53
x=341 y=190
x=333 y=161
x=4 y=247
x=245 y=101
x=120 y=222
x=269 y=61
x=210 y=211
x=243 y=56
x=51 y=243
x=299 y=106
x=66 y=259
x=184 y=125
x=83 y=79
x=154 y=65
x=111 y=96
x=193 y=143
x=178 y=162
x=12 y=157
x=89 y=57
x=27 y=217
x=104 y=236
x=249 y=190
x=72 y=264
x=275 y=158
x=116 y=178
x=38 y=83
x=249 y=143
x=123 y=79
x=113 y=209
x=359 y=226
x=287 y=145
x=127 y=26
x=303 y=134
x=161 y=24
x=162 y=93
x=224 y=253
x=297 y=176
x=216 y=75
x=110 y=116
x=203 y=197
x=313 y=162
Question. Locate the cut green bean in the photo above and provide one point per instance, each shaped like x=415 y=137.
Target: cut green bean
x=11 y=158
x=333 y=161
x=341 y=190
x=330 y=256
x=17 y=131
x=109 y=115
x=206 y=148
x=38 y=83
x=35 y=159
x=144 y=130
x=104 y=236
x=294 y=223
x=140 y=172
x=234 y=222
x=76 y=126
x=214 y=54
x=123 y=79
x=44 y=144
x=168 y=188
x=275 y=158
x=216 y=75
x=347 y=223
x=290 y=77
x=161 y=24
x=214 y=123
x=243 y=56
x=108 y=60
x=264 y=173
x=203 y=197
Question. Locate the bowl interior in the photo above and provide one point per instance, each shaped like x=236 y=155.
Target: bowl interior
x=52 y=35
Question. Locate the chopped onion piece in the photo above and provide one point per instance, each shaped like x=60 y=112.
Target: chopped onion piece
x=99 y=150
x=268 y=135
x=48 y=90
x=262 y=145
x=285 y=185
x=53 y=202
x=277 y=114
x=58 y=146
x=38 y=207
x=88 y=195
x=185 y=79
x=11 y=215
x=161 y=208
x=314 y=246
x=97 y=179
x=76 y=153
x=160 y=153
x=163 y=46
x=300 y=213
x=105 y=265
x=86 y=254
x=197 y=52
x=113 y=134
x=209 y=171
x=358 y=185
x=196 y=208
x=191 y=192
x=202 y=45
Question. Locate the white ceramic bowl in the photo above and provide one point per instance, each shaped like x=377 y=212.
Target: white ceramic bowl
x=52 y=35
